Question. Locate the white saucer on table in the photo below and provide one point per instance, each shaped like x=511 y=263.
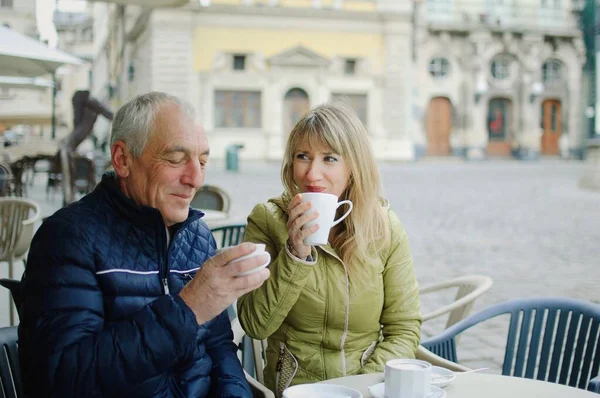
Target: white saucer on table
x=321 y=391
x=378 y=391
x=441 y=377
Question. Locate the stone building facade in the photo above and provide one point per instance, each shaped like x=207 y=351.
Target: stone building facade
x=471 y=78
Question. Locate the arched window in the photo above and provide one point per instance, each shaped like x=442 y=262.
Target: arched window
x=552 y=71
x=500 y=67
x=439 y=67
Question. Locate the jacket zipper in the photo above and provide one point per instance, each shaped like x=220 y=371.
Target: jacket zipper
x=163 y=268
x=347 y=315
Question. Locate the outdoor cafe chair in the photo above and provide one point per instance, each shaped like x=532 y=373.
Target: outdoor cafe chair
x=257 y=387
x=83 y=175
x=469 y=288
x=551 y=339
x=17 y=220
x=229 y=235
x=6 y=179
x=210 y=197
x=10 y=371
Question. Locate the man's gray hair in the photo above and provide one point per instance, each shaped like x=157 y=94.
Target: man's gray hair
x=134 y=121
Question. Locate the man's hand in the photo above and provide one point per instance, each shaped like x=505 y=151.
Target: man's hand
x=216 y=286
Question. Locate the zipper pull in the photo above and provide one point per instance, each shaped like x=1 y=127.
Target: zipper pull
x=166 y=285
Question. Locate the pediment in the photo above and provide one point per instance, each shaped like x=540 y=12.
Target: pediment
x=298 y=56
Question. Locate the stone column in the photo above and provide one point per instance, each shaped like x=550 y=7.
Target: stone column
x=476 y=132
x=529 y=136
x=397 y=88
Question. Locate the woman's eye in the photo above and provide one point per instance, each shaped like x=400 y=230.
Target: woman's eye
x=330 y=159
x=301 y=156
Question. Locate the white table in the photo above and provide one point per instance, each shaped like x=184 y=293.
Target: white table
x=480 y=385
x=216 y=218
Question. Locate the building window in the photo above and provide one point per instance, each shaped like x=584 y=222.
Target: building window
x=500 y=67
x=239 y=62
x=439 y=67
x=358 y=102
x=6 y=3
x=350 y=66
x=552 y=71
x=237 y=109
x=550 y=4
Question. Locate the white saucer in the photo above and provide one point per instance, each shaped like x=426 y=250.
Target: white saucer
x=441 y=377
x=378 y=391
x=321 y=391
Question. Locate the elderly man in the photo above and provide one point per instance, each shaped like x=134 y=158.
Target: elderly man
x=107 y=309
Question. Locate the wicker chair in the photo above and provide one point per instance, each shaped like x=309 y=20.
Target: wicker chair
x=17 y=219
x=469 y=289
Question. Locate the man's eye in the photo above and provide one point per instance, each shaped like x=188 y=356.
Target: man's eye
x=175 y=160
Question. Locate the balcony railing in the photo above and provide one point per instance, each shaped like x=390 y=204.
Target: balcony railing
x=470 y=14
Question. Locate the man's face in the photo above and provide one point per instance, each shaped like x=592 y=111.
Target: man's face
x=171 y=168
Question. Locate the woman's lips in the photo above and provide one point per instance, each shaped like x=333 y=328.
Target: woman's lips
x=315 y=189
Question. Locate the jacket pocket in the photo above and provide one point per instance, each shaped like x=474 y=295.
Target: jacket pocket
x=367 y=354
x=287 y=366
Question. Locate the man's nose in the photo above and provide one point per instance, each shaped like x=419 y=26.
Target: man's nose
x=194 y=174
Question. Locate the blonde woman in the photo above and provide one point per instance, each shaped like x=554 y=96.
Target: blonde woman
x=346 y=307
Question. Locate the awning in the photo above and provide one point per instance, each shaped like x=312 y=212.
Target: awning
x=22 y=56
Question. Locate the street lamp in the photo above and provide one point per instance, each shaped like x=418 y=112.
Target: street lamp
x=537 y=89
x=481 y=88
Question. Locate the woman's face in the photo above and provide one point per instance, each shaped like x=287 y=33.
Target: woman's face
x=318 y=169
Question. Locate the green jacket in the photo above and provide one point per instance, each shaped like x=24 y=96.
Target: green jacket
x=320 y=323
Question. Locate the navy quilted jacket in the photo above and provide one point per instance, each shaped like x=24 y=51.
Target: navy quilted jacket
x=97 y=318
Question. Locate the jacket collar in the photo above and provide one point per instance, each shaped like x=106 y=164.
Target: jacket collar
x=138 y=214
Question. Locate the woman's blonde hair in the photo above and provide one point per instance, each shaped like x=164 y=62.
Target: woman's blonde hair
x=336 y=127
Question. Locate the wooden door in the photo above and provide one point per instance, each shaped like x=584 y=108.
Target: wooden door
x=295 y=105
x=499 y=127
x=439 y=126
x=551 y=122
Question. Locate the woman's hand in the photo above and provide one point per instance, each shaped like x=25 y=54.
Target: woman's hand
x=297 y=231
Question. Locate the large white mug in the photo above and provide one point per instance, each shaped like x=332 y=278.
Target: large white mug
x=407 y=378
x=325 y=204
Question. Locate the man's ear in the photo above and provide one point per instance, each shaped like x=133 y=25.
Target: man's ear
x=121 y=159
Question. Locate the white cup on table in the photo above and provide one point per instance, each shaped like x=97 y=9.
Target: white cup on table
x=407 y=378
x=325 y=204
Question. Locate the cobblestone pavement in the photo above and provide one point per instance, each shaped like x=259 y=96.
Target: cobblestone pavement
x=527 y=225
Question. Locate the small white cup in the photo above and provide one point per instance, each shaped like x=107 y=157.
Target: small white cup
x=325 y=204
x=260 y=249
x=407 y=378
